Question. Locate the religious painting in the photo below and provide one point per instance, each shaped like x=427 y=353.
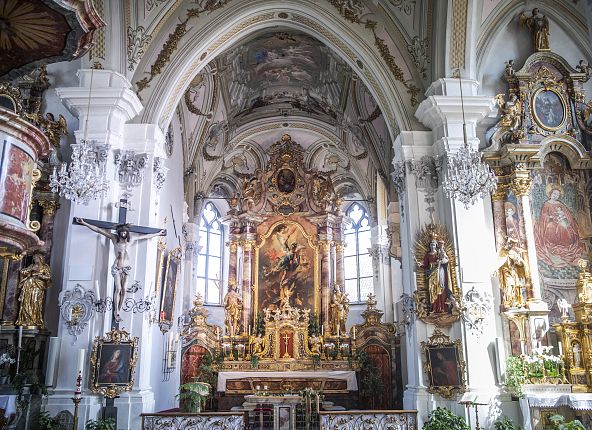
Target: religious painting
x=444 y=365
x=16 y=167
x=159 y=276
x=286 y=181
x=560 y=205
x=513 y=222
x=167 y=306
x=437 y=291
x=286 y=262
x=113 y=363
x=549 y=109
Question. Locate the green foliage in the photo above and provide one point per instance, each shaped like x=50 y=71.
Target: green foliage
x=313 y=325
x=516 y=375
x=23 y=379
x=560 y=424
x=316 y=360
x=207 y=371
x=371 y=384
x=254 y=361
x=46 y=422
x=192 y=394
x=444 y=419
x=506 y=423
x=100 y=424
x=259 y=325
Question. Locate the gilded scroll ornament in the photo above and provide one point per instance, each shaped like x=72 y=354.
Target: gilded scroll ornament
x=437 y=295
x=35 y=279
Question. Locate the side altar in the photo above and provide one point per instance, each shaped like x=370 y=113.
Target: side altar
x=285 y=311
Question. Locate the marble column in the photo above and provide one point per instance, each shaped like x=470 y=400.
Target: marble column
x=326 y=281
x=248 y=282
x=521 y=183
x=47 y=221
x=339 y=269
x=499 y=215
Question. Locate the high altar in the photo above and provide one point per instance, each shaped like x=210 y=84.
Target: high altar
x=286 y=314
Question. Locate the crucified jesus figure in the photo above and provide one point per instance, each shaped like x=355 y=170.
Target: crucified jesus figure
x=122 y=241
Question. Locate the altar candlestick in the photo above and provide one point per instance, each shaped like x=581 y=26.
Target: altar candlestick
x=20 y=337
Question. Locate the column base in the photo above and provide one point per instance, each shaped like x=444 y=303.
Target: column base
x=129 y=406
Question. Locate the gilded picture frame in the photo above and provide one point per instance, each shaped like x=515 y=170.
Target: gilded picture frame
x=549 y=107
x=169 y=290
x=444 y=365
x=159 y=276
x=113 y=363
x=310 y=242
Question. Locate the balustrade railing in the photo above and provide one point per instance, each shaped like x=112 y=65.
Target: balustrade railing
x=366 y=420
x=202 y=421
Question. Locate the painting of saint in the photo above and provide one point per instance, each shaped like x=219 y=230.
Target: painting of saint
x=167 y=306
x=512 y=222
x=114 y=364
x=556 y=232
x=286 y=269
x=445 y=367
x=286 y=181
x=548 y=109
x=16 y=166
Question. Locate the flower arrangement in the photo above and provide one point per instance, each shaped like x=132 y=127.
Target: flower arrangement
x=537 y=368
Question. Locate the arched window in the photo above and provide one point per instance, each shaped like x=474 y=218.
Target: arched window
x=357 y=260
x=209 y=262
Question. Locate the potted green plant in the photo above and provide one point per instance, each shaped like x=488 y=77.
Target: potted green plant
x=506 y=423
x=560 y=424
x=516 y=375
x=445 y=419
x=46 y=422
x=100 y=424
x=192 y=394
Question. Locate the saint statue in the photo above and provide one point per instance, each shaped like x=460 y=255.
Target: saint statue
x=577 y=354
x=122 y=241
x=35 y=279
x=513 y=274
x=316 y=343
x=257 y=345
x=539 y=25
x=233 y=307
x=437 y=271
x=339 y=309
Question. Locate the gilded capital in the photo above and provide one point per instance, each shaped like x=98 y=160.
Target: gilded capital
x=49 y=207
x=521 y=186
x=500 y=193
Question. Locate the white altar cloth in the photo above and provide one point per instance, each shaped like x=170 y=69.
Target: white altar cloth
x=347 y=375
x=576 y=401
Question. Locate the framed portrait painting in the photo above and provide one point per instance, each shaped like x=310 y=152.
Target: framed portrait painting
x=549 y=109
x=167 y=304
x=444 y=365
x=113 y=363
x=160 y=267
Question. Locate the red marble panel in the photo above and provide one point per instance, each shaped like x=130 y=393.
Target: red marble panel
x=15 y=182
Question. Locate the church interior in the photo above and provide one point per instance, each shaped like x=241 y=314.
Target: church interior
x=298 y=214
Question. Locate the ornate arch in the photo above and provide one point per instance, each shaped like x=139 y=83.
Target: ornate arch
x=573 y=150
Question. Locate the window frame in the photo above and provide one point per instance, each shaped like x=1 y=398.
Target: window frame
x=207 y=232
x=354 y=230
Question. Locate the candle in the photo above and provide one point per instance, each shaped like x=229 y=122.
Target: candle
x=52 y=358
x=218 y=332
x=20 y=337
x=78 y=391
x=249 y=329
x=176 y=341
x=354 y=333
x=338 y=330
x=322 y=329
x=97 y=291
x=81 y=355
x=560 y=348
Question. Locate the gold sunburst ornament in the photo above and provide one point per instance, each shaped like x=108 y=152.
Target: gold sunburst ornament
x=437 y=296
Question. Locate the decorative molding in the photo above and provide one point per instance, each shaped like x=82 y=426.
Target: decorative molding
x=405 y=6
x=476 y=305
x=130 y=167
x=151 y=4
x=418 y=49
x=76 y=308
x=458 y=34
x=398 y=176
x=426 y=171
x=409 y=311
x=137 y=41
x=160 y=172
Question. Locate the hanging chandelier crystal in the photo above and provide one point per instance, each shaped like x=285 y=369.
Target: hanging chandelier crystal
x=467 y=177
x=83 y=180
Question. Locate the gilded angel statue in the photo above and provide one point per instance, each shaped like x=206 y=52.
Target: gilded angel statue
x=53 y=129
x=509 y=126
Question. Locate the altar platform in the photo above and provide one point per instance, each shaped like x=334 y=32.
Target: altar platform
x=246 y=382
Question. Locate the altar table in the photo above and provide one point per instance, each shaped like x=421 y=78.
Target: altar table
x=326 y=381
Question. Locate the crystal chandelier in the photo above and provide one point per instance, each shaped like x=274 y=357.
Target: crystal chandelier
x=83 y=180
x=467 y=177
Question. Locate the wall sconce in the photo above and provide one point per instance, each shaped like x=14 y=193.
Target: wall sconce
x=77 y=307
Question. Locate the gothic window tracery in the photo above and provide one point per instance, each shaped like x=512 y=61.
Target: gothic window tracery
x=209 y=263
x=357 y=259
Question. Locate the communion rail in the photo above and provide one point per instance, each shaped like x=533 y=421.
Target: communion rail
x=201 y=421
x=365 y=420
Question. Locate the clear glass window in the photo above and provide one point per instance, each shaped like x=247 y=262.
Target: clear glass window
x=209 y=261
x=359 y=280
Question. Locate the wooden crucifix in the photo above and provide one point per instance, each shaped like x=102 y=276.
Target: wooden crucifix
x=123 y=238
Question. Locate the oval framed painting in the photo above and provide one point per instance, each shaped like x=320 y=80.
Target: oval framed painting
x=286 y=181
x=548 y=108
